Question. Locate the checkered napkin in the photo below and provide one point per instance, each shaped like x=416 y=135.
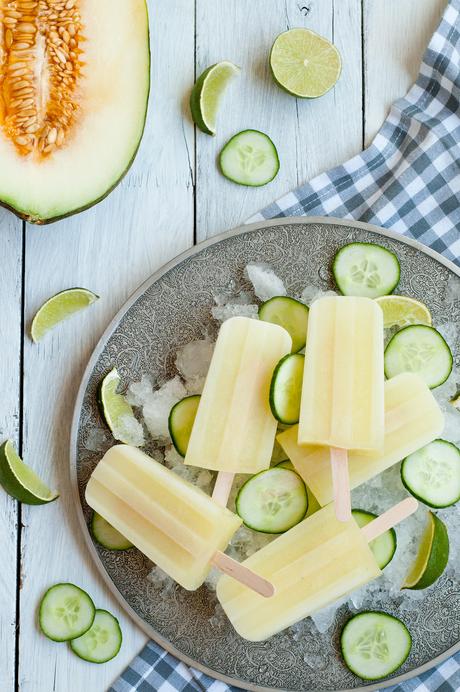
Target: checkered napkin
x=407 y=180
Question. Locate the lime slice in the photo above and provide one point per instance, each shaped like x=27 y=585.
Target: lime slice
x=20 y=481
x=401 y=311
x=117 y=413
x=58 y=308
x=432 y=557
x=305 y=64
x=205 y=97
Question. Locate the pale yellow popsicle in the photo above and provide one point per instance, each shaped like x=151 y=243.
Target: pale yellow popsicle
x=342 y=393
x=412 y=420
x=234 y=429
x=311 y=566
x=171 y=521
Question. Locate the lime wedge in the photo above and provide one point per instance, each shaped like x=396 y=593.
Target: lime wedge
x=305 y=64
x=206 y=94
x=117 y=413
x=400 y=311
x=20 y=481
x=432 y=557
x=58 y=308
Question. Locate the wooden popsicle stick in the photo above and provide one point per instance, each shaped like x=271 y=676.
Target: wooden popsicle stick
x=341 y=483
x=390 y=518
x=243 y=574
x=222 y=487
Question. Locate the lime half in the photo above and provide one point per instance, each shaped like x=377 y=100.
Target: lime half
x=117 y=413
x=58 y=308
x=401 y=311
x=20 y=481
x=432 y=557
x=304 y=63
x=206 y=94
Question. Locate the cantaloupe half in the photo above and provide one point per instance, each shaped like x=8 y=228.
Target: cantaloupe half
x=74 y=85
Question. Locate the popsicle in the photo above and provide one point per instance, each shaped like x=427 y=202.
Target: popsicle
x=234 y=429
x=311 y=566
x=412 y=420
x=342 y=394
x=171 y=521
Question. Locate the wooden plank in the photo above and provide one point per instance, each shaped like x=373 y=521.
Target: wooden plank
x=395 y=37
x=109 y=249
x=10 y=339
x=311 y=135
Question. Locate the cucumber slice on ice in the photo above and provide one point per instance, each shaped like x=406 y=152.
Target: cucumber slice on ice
x=286 y=389
x=181 y=420
x=432 y=474
x=66 y=612
x=272 y=501
x=383 y=547
x=290 y=314
x=366 y=269
x=313 y=504
x=421 y=350
x=250 y=158
x=375 y=644
x=101 y=642
x=107 y=535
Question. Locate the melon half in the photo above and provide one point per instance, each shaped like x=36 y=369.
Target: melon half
x=74 y=85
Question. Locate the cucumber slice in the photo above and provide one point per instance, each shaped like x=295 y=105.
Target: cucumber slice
x=421 y=350
x=366 y=269
x=383 y=547
x=102 y=641
x=250 y=158
x=272 y=501
x=375 y=644
x=286 y=389
x=65 y=612
x=432 y=474
x=181 y=420
x=313 y=504
x=107 y=535
x=290 y=314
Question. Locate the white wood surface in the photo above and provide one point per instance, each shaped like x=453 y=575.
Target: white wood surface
x=166 y=201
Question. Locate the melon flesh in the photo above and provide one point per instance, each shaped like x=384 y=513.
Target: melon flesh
x=73 y=112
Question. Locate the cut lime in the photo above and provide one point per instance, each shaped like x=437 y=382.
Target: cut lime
x=20 y=481
x=401 y=311
x=117 y=413
x=305 y=64
x=206 y=94
x=432 y=557
x=58 y=308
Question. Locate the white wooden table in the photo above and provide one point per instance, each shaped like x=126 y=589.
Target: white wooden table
x=172 y=197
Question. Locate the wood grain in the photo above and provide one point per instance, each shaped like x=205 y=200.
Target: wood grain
x=10 y=371
x=311 y=135
x=109 y=249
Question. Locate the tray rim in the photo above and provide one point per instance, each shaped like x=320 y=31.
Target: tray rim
x=113 y=324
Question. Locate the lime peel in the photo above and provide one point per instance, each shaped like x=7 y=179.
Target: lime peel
x=432 y=557
x=207 y=93
x=58 y=308
x=117 y=413
x=20 y=481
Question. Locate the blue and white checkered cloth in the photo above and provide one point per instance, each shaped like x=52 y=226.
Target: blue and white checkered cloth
x=407 y=180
